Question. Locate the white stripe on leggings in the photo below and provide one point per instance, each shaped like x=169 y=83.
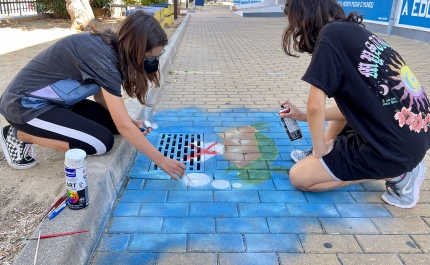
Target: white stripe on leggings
x=72 y=133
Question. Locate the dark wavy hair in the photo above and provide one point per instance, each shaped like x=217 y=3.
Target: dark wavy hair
x=139 y=33
x=306 y=18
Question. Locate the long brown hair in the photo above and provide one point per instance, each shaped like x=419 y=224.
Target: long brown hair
x=306 y=19
x=139 y=33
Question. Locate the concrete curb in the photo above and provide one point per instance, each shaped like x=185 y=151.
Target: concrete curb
x=106 y=176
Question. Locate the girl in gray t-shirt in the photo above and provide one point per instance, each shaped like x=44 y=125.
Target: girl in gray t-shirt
x=46 y=103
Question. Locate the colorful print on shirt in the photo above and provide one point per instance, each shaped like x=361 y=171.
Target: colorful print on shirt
x=397 y=76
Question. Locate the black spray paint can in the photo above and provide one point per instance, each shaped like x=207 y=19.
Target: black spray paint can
x=290 y=125
x=75 y=169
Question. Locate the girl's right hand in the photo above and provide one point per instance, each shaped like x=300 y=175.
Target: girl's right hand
x=172 y=167
x=294 y=113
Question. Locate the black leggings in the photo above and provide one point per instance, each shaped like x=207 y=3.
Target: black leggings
x=87 y=126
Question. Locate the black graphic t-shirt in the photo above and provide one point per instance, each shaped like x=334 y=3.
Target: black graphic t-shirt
x=376 y=91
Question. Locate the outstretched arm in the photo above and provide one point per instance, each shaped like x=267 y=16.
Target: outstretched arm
x=132 y=134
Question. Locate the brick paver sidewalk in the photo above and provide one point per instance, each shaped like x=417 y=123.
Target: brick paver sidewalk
x=226 y=83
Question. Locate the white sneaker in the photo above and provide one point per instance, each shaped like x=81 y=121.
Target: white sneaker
x=405 y=189
x=298 y=155
x=15 y=151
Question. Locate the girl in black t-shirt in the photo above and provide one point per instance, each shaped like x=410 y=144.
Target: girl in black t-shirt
x=379 y=121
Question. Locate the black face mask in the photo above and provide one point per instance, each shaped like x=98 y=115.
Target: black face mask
x=150 y=67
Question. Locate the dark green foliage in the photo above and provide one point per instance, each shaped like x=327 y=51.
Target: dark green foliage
x=55 y=7
x=145 y=2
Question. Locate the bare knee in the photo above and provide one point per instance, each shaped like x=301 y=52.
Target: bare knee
x=297 y=178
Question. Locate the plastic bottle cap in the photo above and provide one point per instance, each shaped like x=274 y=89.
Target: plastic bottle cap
x=75 y=158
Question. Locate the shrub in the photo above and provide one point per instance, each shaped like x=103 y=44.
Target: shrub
x=57 y=8
x=145 y=2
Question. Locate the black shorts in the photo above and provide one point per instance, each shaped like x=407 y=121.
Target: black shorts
x=87 y=126
x=352 y=158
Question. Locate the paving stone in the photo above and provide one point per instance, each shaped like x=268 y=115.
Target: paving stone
x=329 y=197
x=329 y=243
x=423 y=241
x=190 y=196
x=155 y=184
x=362 y=210
x=272 y=243
x=164 y=209
x=349 y=226
x=387 y=243
x=114 y=242
x=236 y=196
x=403 y=225
x=187 y=258
x=135 y=184
x=241 y=225
x=418 y=210
x=306 y=259
x=143 y=196
x=415 y=259
x=262 y=209
x=294 y=225
x=247 y=258
x=369 y=259
x=213 y=210
x=126 y=209
x=158 y=242
x=106 y=258
x=377 y=185
x=367 y=197
x=253 y=185
x=135 y=225
x=215 y=243
x=282 y=196
x=284 y=184
x=190 y=225
x=312 y=210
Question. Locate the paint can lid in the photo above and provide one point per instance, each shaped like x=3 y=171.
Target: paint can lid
x=75 y=158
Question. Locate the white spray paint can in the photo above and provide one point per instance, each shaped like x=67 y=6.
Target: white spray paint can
x=75 y=169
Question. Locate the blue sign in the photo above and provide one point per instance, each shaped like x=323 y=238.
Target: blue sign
x=415 y=13
x=376 y=10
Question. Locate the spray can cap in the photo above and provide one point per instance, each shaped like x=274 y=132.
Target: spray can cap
x=75 y=158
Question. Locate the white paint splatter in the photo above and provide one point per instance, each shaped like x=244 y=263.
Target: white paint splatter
x=220 y=184
x=237 y=185
x=198 y=179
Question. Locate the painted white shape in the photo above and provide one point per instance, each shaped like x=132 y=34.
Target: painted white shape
x=237 y=185
x=197 y=179
x=220 y=184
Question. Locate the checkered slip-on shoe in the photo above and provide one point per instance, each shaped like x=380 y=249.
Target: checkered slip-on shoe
x=15 y=151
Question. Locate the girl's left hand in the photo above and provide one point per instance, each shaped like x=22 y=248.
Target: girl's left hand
x=139 y=124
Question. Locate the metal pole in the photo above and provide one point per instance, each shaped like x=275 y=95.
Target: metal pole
x=392 y=17
x=175 y=7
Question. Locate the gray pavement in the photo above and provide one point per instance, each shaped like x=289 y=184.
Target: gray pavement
x=228 y=73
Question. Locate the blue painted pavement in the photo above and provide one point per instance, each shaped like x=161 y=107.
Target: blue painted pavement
x=232 y=210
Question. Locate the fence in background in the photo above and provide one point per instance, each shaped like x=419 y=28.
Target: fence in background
x=17 y=7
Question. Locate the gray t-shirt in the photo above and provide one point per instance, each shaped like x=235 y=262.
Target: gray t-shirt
x=67 y=72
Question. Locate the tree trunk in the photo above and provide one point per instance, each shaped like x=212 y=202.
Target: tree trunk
x=82 y=15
